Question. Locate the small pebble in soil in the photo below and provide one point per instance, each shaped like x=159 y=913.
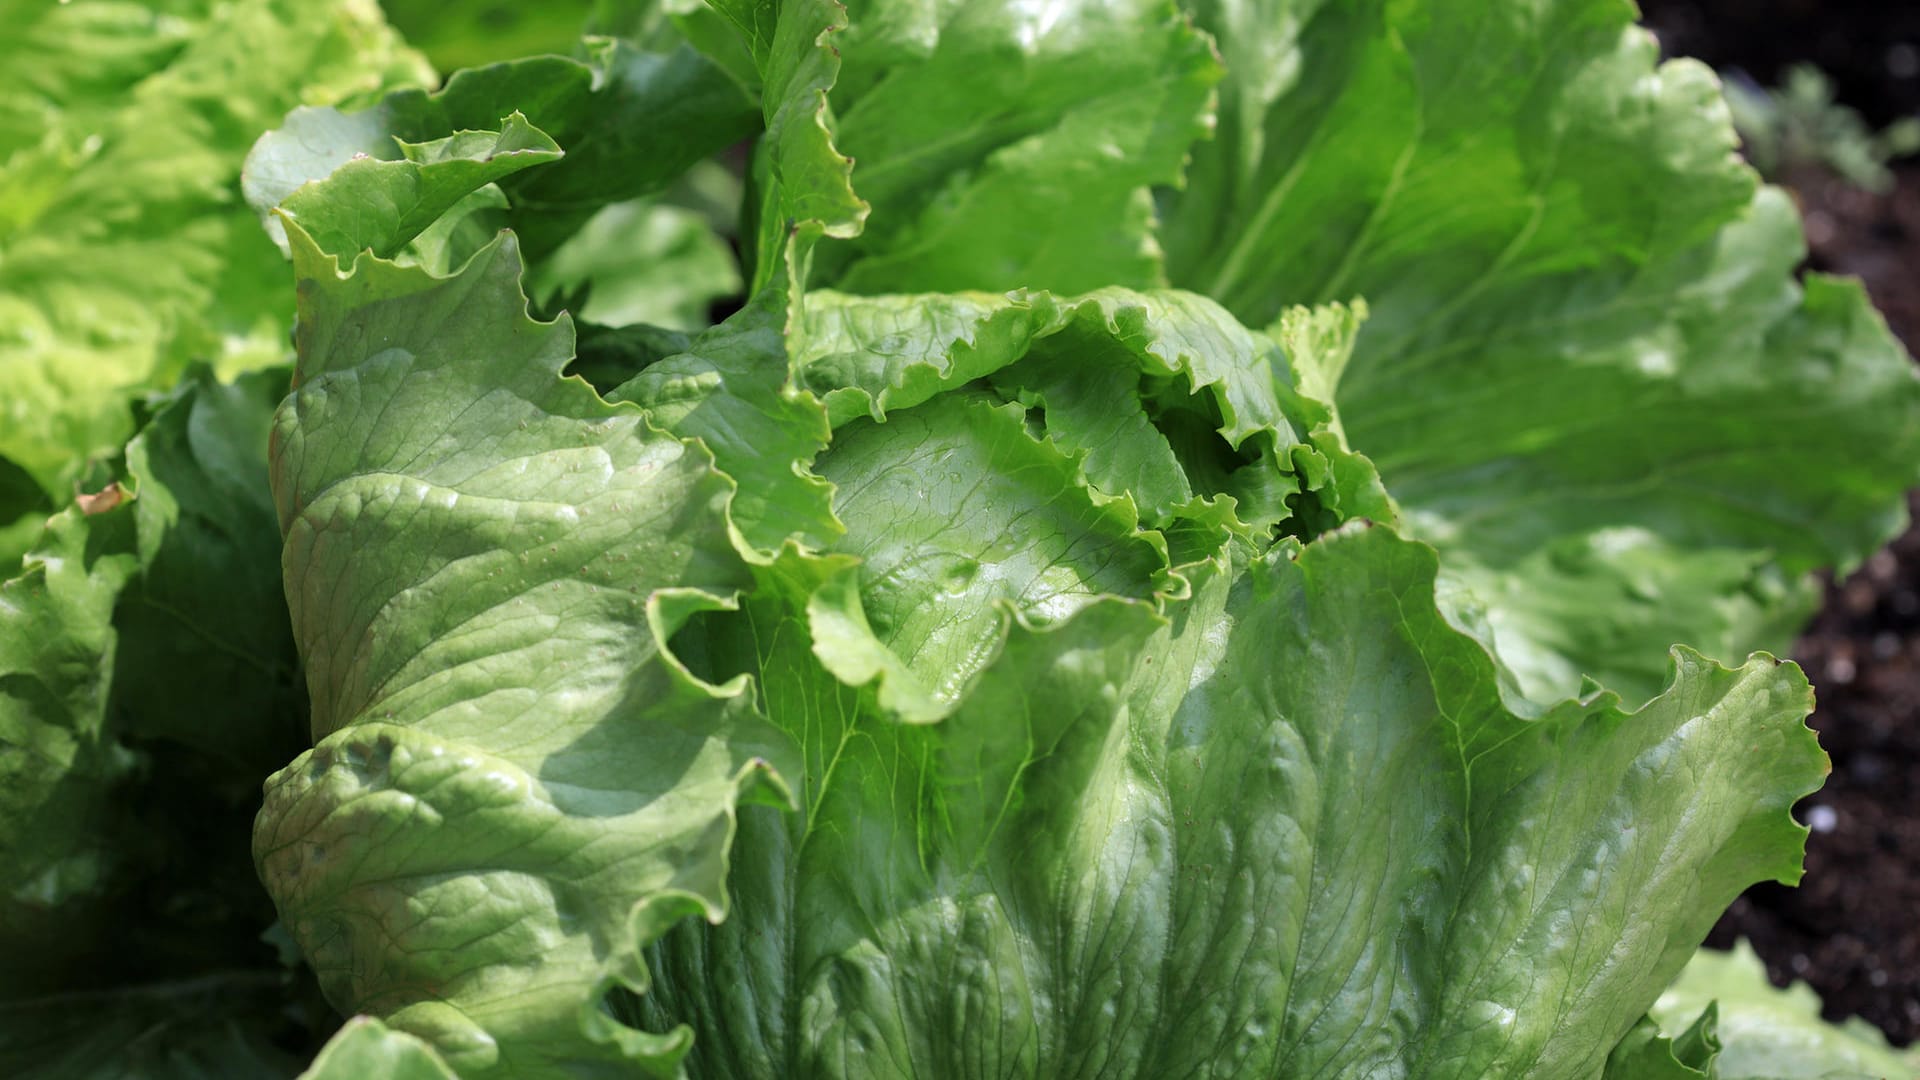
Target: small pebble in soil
x=1820 y=228
x=1841 y=670
x=1822 y=819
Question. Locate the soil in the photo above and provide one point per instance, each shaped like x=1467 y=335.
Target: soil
x=1870 y=48
x=1852 y=930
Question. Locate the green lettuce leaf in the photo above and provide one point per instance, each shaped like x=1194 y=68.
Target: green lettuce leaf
x=401 y=200
x=470 y=35
x=566 y=541
x=1645 y=1054
x=207 y=661
x=1769 y=1033
x=365 y=1047
x=728 y=389
x=641 y=261
x=1585 y=376
x=629 y=121
x=1004 y=777
x=125 y=251
x=1011 y=682
x=960 y=125
x=59 y=764
x=1104 y=872
x=1164 y=395
x=24 y=508
x=474 y=35
x=209 y=1028
x=147 y=682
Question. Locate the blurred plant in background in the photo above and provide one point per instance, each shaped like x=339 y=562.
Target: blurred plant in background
x=1799 y=126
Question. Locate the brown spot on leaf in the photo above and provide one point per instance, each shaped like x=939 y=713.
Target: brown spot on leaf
x=101 y=501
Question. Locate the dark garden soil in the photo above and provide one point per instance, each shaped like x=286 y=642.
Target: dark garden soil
x=1853 y=929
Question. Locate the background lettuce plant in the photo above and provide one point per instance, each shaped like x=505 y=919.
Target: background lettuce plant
x=1173 y=569
x=125 y=251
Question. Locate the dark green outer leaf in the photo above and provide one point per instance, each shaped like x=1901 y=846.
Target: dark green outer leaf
x=214 y=1027
x=58 y=764
x=1645 y=1054
x=472 y=35
x=1125 y=868
x=207 y=660
x=24 y=509
x=146 y=664
x=1586 y=375
x=475 y=545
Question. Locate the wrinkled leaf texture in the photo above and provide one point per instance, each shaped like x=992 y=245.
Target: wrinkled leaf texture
x=1080 y=752
x=125 y=251
x=1007 y=679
